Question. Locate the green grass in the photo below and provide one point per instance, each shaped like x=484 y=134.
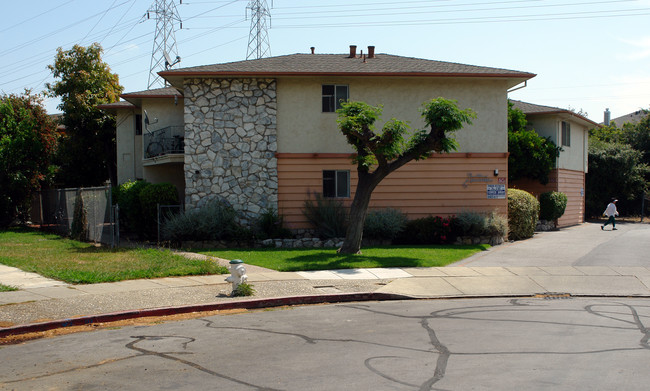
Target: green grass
x=324 y=259
x=83 y=263
x=7 y=288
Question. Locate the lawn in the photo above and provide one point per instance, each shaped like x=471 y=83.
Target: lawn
x=328 y=258
x=83 y=263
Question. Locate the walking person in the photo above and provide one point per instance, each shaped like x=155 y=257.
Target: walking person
x=611 y=213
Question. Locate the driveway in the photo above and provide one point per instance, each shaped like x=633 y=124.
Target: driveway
x=583 y=245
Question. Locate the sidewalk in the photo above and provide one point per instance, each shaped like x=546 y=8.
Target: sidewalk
x=41 y=299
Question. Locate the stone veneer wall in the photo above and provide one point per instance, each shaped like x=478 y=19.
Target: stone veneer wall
x=230 y=144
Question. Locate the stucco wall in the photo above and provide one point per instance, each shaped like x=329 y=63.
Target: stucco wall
x=573 y=157
x=303 y=127
x=129 y=150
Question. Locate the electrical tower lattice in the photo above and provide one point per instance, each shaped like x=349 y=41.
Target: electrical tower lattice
x=164 y=53
x=258 y=39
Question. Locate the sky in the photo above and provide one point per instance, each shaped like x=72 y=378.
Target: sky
x=587 y=55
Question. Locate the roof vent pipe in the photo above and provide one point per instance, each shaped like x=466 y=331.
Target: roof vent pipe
x=353 y=51
x=371 y=52
x=313 y=49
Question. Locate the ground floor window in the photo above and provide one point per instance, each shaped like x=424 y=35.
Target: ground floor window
x=336 y=183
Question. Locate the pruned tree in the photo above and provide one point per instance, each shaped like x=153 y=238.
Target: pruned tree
x=379 y=154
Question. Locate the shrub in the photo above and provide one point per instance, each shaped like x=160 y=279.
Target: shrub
x=78 y=230
x=152 y=195
x=328 y=216
x=215 y=221
x=523 y=212
x=270 y=225
x=481 y=224
x=384 y=224
x=128 y=196
x=429 y=230
x=552 y=205
x=472 y=224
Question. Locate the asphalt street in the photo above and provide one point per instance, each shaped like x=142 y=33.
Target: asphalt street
x=460 y=344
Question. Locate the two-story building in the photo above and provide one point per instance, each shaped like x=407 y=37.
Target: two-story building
x=263 y=133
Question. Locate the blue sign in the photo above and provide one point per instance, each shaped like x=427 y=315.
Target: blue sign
x=496 y=192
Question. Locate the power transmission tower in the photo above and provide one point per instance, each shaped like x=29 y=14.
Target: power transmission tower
x=258 y=39
x=164 y=54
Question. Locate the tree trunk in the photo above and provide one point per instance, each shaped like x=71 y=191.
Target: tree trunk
x=358 y=212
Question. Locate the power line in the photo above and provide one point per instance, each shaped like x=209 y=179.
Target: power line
x=258 y=38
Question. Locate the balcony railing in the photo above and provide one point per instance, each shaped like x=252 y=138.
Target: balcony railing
x=165 y=141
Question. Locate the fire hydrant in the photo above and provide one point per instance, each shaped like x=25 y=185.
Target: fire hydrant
x=237 y=273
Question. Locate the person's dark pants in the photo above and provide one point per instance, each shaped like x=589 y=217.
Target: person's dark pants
x=612 y=220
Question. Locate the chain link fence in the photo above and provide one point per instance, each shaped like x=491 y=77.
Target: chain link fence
x=82 y=213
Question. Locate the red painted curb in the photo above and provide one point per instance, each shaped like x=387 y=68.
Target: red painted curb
x=163 y=311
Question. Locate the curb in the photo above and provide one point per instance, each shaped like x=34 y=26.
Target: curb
x=164 y=311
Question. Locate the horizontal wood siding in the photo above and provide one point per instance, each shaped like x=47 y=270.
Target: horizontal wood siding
x=569 y=182
x=572 y=183
x=438 y=186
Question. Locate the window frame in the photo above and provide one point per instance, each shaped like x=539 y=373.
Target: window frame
x=565 y=134
x=339 y=190
x=334 y=98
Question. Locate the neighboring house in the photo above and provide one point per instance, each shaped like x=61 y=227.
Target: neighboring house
x=571 y=132
x=632 y=118
x=263 y=133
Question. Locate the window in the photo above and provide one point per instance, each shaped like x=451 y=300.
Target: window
x=332 y=97
x=566 y=134
x=138 y=124
x=336 y=183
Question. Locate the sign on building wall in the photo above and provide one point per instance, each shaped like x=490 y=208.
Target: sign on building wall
x=496 y=192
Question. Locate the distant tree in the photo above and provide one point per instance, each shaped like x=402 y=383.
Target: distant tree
x=615 y=169
x=638 y=136
x=389 y=150
x=531 y=156
x=27 y=141
x=87 y=155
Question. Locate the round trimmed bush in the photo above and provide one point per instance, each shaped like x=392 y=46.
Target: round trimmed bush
x=523 y=212
x=552 y=205
x=384 y=224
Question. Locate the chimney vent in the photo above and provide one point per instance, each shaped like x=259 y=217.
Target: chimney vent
x=313 y=49
x=371 y=52
x=353 y=51
x=608 y=116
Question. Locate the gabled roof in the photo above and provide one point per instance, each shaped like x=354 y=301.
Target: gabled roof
x=157 y=93
x=342 y=65
x=533 y=109
x=116 y=105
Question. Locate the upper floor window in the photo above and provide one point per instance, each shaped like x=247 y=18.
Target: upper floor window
x=336 y=183
x=333 y=95
x=566 y=134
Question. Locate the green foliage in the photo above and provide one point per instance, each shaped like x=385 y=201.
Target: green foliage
x=429 y=230
x=215 y=221
x=270 y=225
x=152 y=195
x=531 y=156
x=28 y=139
x=243 y=289
x=87 y=155
x=328 y=216
x=384 y=224
x=552 y=205
x=78 y=230
x=477 y=224
x=523 y=214
x=615 y=169
x=7 y=288
x=128 y=196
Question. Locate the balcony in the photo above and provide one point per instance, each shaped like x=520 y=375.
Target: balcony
x=163 y=143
